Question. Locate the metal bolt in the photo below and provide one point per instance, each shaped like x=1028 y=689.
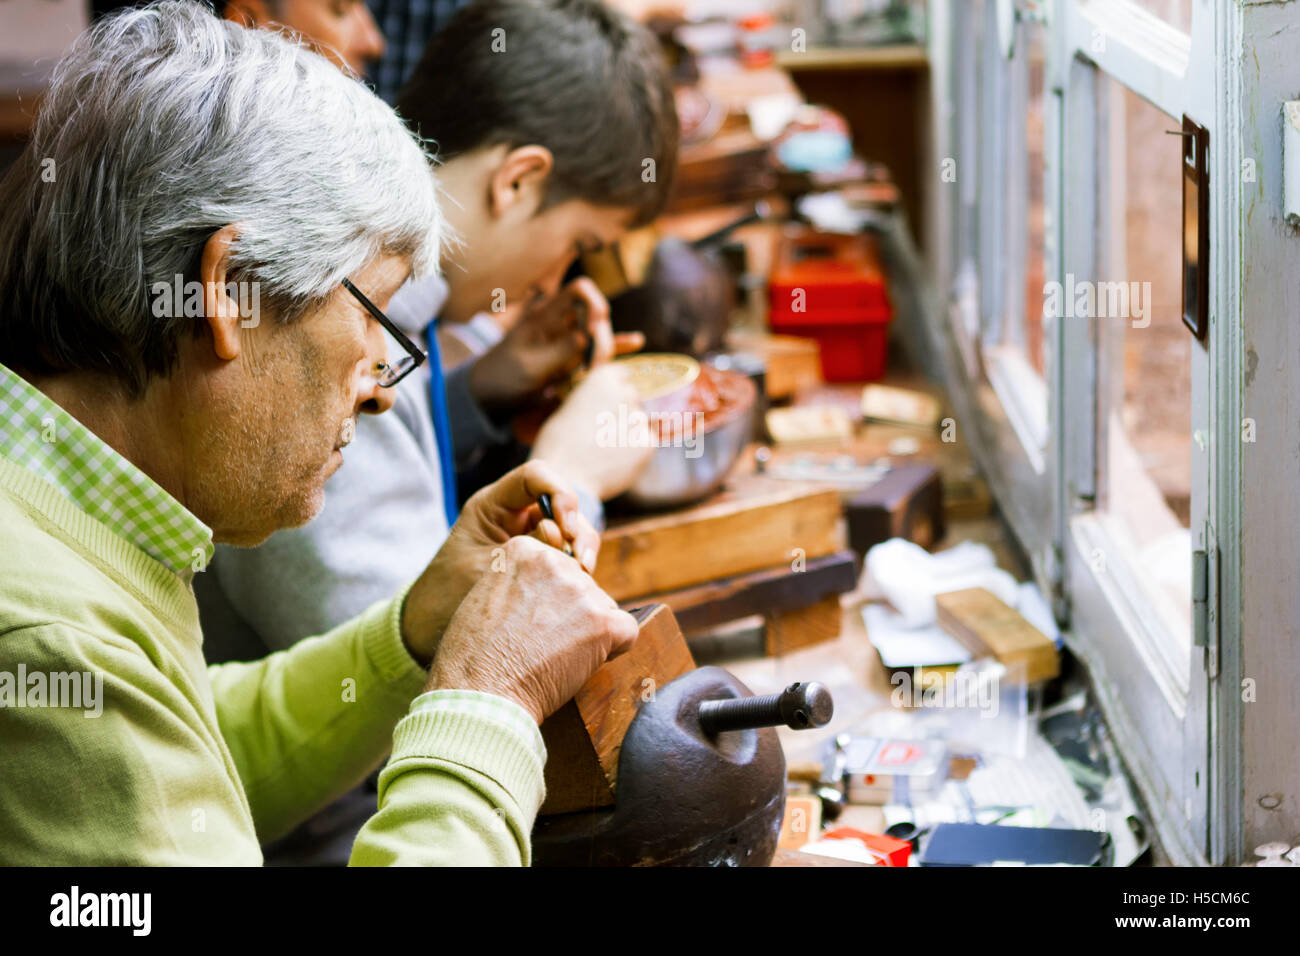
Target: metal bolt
x=799 y=706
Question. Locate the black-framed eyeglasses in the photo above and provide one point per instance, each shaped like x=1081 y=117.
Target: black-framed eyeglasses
x=390 y=375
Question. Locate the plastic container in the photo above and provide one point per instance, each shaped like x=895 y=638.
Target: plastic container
x=831 y=288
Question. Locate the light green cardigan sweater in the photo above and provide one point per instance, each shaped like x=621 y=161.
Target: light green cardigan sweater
x=195 y=765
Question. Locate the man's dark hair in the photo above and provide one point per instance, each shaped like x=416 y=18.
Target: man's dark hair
x=102 y=8
x=585 y=81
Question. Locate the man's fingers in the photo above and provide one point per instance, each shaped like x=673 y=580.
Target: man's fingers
x=594 y=313
x=626 y=342
x=585 y=538
x=548 y=532
x=586 y=291
x=623 y=631
x=518 y=493
x=602 y=338
x=519 y=489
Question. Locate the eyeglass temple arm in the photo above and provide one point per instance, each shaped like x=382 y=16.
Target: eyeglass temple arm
x=416 y=353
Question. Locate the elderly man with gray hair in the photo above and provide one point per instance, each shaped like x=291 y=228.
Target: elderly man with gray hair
x=195 y=250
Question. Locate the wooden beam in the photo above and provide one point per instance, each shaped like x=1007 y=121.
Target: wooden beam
x=770 y=591
x=791 y=630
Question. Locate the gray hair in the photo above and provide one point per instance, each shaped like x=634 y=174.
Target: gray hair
x=162 y=125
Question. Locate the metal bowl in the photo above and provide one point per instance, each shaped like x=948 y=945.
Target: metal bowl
x=679 y=475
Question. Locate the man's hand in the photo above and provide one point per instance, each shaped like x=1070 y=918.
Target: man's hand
x=477 y=547
x=567 y=441
x=533 y=632
x=546 y=345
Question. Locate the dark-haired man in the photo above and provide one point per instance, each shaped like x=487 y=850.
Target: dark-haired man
x=343 y=31
x=556 y=131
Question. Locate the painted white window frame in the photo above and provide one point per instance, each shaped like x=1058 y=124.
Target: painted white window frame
x=1214 y=749
x=1156 y=708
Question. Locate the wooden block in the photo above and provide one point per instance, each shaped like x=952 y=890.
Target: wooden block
x=906 y=406
x=792 y=364
x=802 y=821
x=807 y=423
x=771 y=590
x=906 y=503
x=791 y=630
x=584 y=737
x=756 y=522
x=966 y=497
x=988 y=627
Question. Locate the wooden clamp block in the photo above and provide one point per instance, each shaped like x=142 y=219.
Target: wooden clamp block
x=585 y=737
x=987 y=627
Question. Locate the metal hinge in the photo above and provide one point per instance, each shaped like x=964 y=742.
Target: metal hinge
x=1205 y=631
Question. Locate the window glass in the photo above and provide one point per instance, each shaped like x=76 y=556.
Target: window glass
x=1145 y=438
x=1029 y=334
x=1176 y=13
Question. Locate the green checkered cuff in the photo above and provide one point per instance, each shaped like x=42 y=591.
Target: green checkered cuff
x=487 y=707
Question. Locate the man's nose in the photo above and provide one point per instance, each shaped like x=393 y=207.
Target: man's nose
x=368 y=42
x=550 y=283
x=373 y=398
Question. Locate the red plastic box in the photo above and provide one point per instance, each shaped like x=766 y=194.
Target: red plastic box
x=831 y=288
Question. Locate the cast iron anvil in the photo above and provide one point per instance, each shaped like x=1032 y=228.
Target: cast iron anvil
x=657 y=763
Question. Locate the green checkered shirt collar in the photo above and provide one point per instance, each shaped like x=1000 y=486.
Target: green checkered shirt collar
x=38 y=435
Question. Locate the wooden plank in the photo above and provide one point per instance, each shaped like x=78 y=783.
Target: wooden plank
x=585 y=737
x=771 y=590
x=792 y=630
x=988 y=627
x=756 y=522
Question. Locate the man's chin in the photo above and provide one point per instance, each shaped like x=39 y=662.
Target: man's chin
x=303 y=504
x=294 y=514
x=308 y=506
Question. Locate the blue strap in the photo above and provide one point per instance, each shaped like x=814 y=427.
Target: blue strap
x=441 y=424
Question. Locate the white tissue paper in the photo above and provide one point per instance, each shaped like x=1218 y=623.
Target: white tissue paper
x=909 y=577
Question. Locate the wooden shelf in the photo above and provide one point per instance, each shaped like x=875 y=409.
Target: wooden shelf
x=909 y=56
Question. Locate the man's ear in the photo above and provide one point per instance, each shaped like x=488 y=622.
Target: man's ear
x=519 y=183
x=248 y=13
x=220 y=311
